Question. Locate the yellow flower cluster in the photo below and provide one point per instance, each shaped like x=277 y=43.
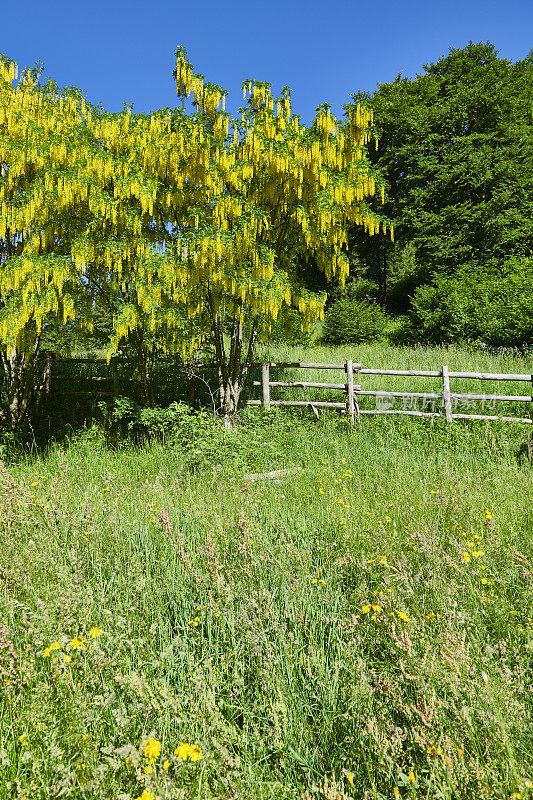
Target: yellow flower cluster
x=188 y=752
x=77 y=643
x=223 y=184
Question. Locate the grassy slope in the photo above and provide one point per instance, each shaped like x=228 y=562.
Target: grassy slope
x=235 y=613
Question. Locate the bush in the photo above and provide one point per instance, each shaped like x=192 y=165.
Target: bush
x=493 y=305
x=353 y=321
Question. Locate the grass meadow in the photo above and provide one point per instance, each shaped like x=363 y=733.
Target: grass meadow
x=172 y=626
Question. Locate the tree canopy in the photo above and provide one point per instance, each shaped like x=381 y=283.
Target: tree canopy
x=196 y=222
x=456 y=153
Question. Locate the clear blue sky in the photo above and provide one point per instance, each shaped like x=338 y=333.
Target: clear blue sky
x=118 y=51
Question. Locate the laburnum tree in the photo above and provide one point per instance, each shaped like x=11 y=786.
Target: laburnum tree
x=40 y=143
x=244 y=200
x=192 y=224
x=72 y=211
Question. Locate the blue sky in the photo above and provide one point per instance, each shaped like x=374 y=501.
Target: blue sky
x=120 y=51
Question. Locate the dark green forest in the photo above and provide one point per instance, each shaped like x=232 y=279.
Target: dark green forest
x=456 y=152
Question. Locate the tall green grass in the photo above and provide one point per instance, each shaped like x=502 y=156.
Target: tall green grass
x=360 y=627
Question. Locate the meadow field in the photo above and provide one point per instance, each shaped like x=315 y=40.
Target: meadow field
x=173 y=626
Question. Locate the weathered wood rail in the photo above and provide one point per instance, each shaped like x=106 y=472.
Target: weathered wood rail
x=352 y=391
x=447 y=398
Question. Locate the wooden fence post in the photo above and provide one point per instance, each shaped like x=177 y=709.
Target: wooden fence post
x=446 y=394
x=350 y=404
x=265 y=379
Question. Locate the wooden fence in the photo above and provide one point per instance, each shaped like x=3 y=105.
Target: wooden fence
x=113 y=380
x=353 y=391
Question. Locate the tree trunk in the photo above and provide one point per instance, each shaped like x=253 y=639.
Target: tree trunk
x=232 y=370
x=19 y=369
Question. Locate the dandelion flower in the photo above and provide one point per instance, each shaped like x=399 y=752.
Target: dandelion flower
x=95 y=632
x=349 y=777
x=146 y=795
x=152 y=750
x=67 y=659
x=403 y=616
x=186 y=751
x=166 y=765
x=411 y=776
x=77 y=644
x=50 y=648
x=366 y=609
x=195 y=753
x=182 y=751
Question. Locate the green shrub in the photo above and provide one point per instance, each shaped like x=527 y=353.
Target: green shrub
x=353 y=321
x=493 y=305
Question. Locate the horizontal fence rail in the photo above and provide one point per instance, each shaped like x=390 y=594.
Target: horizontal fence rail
x=447 y=398
x=441 y=403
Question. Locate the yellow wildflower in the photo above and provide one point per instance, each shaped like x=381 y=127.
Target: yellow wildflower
x=67 y=659
x=146 y=795
x=182 y=751
x=186 y=751
x=152 y=750
x=366 y=609
x=402 y=615
x=411 y=776
x=95 y=632
x=195 y=753
x=166 y=765
x=50 y=648
x=349 y=777
x=376 y=608
x=77 y=644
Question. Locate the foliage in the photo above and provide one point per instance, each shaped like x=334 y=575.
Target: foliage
x=178 y=220
x=492 y=305
x=288 y=328
x=354 y=289
x=456 y=155
x=354 y=321
x=369 y=616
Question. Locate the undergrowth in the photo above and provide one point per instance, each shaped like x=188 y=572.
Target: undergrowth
x=176 y=624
